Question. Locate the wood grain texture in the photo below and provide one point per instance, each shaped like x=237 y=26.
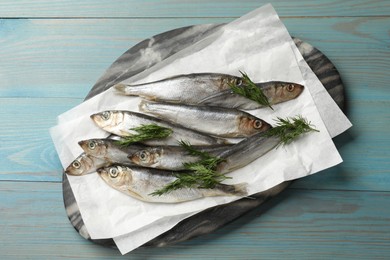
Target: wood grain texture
x=298 y=224
x=27 y=151
x=200 y=8
x=48 y=65
x=64 y=58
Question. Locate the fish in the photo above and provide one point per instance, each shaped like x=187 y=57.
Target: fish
x=171 y=157
x=121 y=123
x=84 y=164
x=217 y=121
x=109 y=150
x=189 y=88
x=210 y=89
x=140 y=182
x=246 y=151
x=275 y=91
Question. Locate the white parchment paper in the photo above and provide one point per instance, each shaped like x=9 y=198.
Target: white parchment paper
x=130 y=241
x=256 y=43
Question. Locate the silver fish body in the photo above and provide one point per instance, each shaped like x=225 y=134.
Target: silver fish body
x=275 y=91
x=189 y=89
x=171 y=157
x=141 y=182
x=84 y=164
x=217 y=121
x=109 y=150
x=121 y=123
x=246 y=151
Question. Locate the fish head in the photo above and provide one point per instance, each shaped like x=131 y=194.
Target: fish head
x=108 y=119
x=80 y=166
x=285 y=91
x=94 y=147
x=250 y=125
x=116 y=176
x=146 y=157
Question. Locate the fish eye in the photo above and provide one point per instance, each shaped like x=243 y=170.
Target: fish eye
x=257 y=124
x=113 y=172
x=290 y=87
x=143 y=155
x=92 y=145
x=238 y=82
x=76 y=164
x=105 y=115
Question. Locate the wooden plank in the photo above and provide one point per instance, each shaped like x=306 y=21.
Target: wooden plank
x=64 y=58
x=27 y=151
x=297 y=224
x=364 y=149
x=173 y=8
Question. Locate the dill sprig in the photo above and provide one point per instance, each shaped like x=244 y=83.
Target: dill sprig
x=201 y=174
x=145 y=132
x=290 y=128
x=201 y=177
x=206 y=159
x=249 y=90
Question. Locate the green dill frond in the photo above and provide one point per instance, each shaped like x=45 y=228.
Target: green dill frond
x=290 y=128
x=249 y=90
x=192 y=151
x=201 y=174
x=206 y=158
x=146 y=132
x=200 y=177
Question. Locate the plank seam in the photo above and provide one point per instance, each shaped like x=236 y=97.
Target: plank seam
x=181 y=17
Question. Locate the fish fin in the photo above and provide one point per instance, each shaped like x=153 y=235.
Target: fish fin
x=136 y=195
x=114 y=137
x=124 y=133
x=209 y=99
x=223 y=141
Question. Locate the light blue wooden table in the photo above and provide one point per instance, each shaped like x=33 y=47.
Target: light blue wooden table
x=52 y=52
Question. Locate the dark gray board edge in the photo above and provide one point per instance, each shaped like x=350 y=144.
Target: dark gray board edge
x=207 y=221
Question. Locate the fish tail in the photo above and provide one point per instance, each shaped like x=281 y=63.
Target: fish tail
x=143 y=106
x=235 y=190
x=122 y=88
x=241 y=189
x=128 y=90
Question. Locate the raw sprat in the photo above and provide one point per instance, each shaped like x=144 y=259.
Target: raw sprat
x=140 y=183
x=216 y=121
x=212 y=89
x=122 y=123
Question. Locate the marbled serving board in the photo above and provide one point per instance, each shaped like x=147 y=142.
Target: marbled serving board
x=145 y=55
